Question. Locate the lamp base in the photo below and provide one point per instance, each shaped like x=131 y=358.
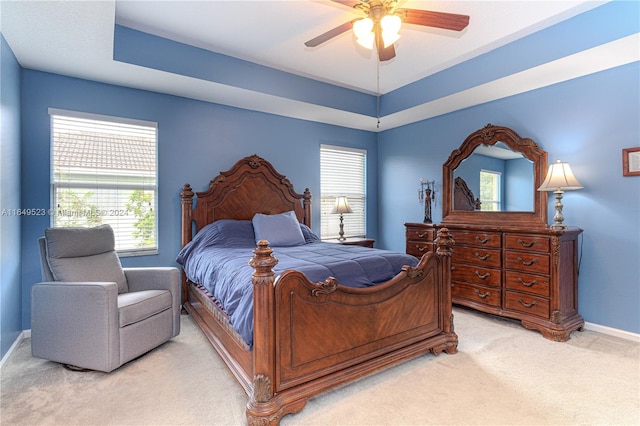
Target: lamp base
x=558 y=217
x=559 y=226
x=341 y=233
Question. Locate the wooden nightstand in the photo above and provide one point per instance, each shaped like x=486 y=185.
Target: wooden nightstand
x=354 y=241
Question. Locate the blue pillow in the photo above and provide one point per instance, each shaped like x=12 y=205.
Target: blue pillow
x=309 y=236
x=279 y=229
x=222 y=233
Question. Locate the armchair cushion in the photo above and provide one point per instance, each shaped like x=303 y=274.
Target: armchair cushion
x=84 y=254
x=139 y=305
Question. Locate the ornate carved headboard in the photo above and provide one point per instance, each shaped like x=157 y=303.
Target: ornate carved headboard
x=251 y=186
x=463 y=198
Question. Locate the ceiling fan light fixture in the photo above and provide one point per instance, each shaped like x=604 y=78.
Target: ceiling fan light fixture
x=363 y=30
x=391 y=23
x=363 y=27
x=367 y=41
x=388 y=38
x=390 y=26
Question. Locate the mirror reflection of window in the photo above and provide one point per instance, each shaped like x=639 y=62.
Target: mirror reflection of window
x=490 y=190
x=516 y=190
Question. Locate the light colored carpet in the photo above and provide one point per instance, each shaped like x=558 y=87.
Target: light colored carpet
x=503 y=374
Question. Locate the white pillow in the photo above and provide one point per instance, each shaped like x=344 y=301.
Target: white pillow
x=279 y=229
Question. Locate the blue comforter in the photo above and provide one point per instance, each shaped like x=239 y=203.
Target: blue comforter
x=217 y=259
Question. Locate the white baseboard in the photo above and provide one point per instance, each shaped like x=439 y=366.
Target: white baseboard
x=612 y=331
x=23 y=335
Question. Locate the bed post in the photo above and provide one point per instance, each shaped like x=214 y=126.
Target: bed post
x=186 y=204
x=306 y=204
x=444 y=243
x=263 y=278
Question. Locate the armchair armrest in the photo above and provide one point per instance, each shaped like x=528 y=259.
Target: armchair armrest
x=158 y=278
x=69 y=320
x=153 y=278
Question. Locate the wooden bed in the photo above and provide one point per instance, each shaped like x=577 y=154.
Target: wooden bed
x=301 y=346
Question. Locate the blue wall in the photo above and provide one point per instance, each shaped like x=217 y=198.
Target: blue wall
x=585 y=121
x=10 y=274
x=196 y=140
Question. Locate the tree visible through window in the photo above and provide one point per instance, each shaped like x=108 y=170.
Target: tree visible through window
x=490 y=190
x=342 y=173
x=104 y=172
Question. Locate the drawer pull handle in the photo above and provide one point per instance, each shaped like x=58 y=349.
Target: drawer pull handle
x=521 y=281
x=485 y=257
x=527 y=245
x=420 y=248
x=483 y=276
x=423 y=234
x=482 y=295
x=484 y=240
x=527 y=305
x=529 y=263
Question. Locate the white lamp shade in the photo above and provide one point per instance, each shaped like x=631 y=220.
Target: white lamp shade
x=390 y=26
x=560 y=177
x=366 y=41
x=388 y=38
x=363 y=27
x=341 y=206
x=391 y=23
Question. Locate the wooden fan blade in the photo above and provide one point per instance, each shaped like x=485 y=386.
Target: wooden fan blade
x=386 y=53
x=350 y=3
x=330 y=34
x=448 y=21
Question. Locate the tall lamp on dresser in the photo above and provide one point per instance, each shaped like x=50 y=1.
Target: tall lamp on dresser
x=559 y=178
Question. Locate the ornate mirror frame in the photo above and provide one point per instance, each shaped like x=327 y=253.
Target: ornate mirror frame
x=490 y=135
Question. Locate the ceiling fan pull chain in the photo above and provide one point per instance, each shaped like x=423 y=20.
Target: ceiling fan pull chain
x=378 y=90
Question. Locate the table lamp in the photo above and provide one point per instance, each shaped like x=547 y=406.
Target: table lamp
x=559 y=178
x=341 y=207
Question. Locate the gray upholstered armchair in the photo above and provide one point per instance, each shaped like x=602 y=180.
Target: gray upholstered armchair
x=89 y=312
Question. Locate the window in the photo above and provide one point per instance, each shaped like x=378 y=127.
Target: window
x=103 y=171
x=342 y=173
x=490 y=190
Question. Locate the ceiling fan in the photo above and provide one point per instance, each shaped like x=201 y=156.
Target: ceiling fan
x=382 y=22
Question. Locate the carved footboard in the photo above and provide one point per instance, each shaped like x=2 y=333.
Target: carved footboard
x=309 y=337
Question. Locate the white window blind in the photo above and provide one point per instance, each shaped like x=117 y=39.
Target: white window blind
x=342 y=173
x=103 y=171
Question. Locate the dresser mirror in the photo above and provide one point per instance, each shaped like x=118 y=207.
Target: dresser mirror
x=507 y=178
x=512 y=166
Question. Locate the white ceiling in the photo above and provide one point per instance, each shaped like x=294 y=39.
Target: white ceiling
x=273 y=33
x=75 y=38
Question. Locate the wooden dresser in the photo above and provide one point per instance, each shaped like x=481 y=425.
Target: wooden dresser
x=526 y=274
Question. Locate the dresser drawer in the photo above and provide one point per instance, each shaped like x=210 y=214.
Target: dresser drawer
x=533 y=284
x=530 y=243
x=486 y=295
x=476 y=275
x=477 y=239
x=418 y=248
x=526 y=303
x=477 y=256
x=527 y=262
x=420 y=233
